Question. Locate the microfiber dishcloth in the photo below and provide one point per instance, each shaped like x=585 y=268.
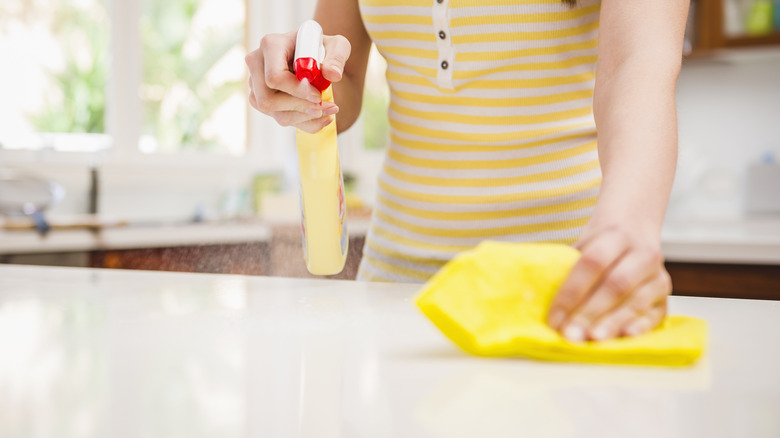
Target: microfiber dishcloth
x=493 y=301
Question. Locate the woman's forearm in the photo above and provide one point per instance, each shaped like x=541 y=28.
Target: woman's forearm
x=342 y=17
x=634 y=108
x=640 y=55
x=348 y=95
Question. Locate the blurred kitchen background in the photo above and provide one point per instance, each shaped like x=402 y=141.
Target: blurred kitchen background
x=136 y=113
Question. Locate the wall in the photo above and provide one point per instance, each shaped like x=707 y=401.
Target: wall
x=143 y=193
x=729 y=115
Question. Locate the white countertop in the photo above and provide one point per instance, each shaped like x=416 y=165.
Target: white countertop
x=754 y=241
x=99 y=353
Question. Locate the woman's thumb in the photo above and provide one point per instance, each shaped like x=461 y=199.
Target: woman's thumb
x=337 y=50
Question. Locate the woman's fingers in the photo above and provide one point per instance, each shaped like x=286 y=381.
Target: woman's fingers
x=296 y=118
x=616 y=286
x=642 y=311
x=337 y=51
x=650 y=320
x=291 y=111
x=252 y=100
x=313 y=126
x=655 y=316
x=279 y=101
x=278 y=51
x=596 y=258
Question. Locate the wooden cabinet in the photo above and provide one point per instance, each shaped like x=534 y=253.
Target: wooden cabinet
x=725 y=280
x=282 y=256
x=279 y=253
x=708 y=32
x=286 y=255
x=244 y=259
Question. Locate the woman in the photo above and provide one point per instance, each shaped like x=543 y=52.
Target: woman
x=494 y=110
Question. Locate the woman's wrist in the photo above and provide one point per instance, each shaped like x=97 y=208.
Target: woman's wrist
x=629 y=206
x=642 y=224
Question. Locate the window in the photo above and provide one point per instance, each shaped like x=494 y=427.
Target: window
x=55 y=56
x=193 y=76
x=376 y=98
x=68 y=75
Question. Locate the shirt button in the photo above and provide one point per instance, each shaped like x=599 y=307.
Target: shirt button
x=444 y=65
x=442 y=35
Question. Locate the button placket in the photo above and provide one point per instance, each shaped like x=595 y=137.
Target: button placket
x=441 y=23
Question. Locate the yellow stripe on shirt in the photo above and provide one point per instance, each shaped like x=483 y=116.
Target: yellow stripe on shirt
x=489 y=198
x=506 y=163
x=476 y=216
x=468 y=119
x=434 y=181
x=545 y=17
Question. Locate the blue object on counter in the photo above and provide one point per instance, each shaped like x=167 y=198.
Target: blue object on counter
x=776 y=14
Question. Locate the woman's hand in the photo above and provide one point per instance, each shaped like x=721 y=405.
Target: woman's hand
x=617 y=288
x=274 y=90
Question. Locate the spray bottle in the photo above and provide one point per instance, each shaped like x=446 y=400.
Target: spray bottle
x=323 y=209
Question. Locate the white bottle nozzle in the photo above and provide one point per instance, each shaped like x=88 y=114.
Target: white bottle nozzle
x=309 y=54
x=308 y=44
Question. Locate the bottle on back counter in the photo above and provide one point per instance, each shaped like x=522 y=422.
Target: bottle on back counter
x=323 y=208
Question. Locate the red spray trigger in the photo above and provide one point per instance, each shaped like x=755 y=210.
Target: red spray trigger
x=307 y=69
x=309 y=52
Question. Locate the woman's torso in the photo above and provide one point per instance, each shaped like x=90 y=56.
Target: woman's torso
x=491 y=128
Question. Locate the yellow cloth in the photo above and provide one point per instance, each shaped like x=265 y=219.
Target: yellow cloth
x=493 y=301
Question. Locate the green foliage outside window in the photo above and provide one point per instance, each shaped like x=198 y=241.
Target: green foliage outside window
x=177 y=94
x=376 y=99
x=375 y=122
x=76 y=100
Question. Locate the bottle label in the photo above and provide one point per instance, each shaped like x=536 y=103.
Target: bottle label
x=303 y=225
x=342 y=214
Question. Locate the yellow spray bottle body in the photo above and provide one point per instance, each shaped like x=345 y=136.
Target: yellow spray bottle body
x=323 y=207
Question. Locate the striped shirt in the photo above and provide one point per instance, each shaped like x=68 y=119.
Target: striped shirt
x=492 y=133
